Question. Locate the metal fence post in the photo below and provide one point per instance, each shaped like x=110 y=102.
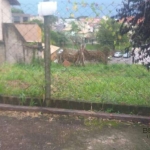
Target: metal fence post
x=47 y=56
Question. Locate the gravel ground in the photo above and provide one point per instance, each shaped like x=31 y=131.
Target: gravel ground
x=36 y=131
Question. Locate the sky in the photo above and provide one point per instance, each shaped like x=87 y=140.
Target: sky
x=67 y=8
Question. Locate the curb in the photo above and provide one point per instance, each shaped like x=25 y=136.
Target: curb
x=122 y=117
x=78 y=105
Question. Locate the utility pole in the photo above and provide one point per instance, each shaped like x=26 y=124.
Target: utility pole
x=47 y=59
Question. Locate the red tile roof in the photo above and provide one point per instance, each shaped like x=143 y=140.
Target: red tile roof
x=30 y=32
x=129 y=19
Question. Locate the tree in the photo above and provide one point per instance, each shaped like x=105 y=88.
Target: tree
x=61 y=39
x=58 y=38
x=135 y=16
x=74 y=31
x=17 y=10
x=109 y=35
x=74 y=27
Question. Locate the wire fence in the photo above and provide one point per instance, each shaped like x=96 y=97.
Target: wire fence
x=84 y=39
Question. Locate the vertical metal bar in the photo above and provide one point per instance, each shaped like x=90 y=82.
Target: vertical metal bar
x=47 y=59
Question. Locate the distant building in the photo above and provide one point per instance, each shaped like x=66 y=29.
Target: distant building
x=20 y=18
x=37 y=18
x=69 y=20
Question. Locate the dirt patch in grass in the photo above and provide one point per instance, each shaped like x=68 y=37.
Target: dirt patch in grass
x=18 y=84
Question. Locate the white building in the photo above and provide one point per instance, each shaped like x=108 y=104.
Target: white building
x=37 y=18
x=5 y=13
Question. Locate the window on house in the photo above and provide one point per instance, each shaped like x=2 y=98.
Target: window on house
x=25 y=19
x=16 y=19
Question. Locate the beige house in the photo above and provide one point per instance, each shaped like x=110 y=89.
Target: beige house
x=30 y=32
x=21 y=42
x=18 y=42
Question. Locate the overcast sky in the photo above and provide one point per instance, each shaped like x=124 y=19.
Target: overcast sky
x=108 y=7
x=88 y=1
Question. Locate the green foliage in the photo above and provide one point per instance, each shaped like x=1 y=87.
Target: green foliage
x=53 y=37
x=109 y=110
x=74 y=33
x=17 y=10
x=109 y=35
x=22 y=98
x=58 y=38
x=32 y=103
x=137 y=11
x=22 y=80
x=74 y=27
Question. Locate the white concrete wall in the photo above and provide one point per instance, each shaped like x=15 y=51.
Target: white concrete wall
x=2 y=53
x=5 y=15
x=13 y=45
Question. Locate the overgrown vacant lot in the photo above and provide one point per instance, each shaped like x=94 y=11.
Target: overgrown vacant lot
x=117 y=83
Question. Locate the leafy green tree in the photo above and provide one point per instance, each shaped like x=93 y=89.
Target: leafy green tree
x=135 y=16
x=109 y=35
x=74 y=27
x=58 y=38
x=62 y=39
x=53 y=37
x=74 y=33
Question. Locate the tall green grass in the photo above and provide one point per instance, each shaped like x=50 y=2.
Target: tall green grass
x=116 y=83
x=21 y=79
x=100 y=83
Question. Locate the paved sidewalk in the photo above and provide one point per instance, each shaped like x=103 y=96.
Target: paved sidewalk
x=34 y=131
